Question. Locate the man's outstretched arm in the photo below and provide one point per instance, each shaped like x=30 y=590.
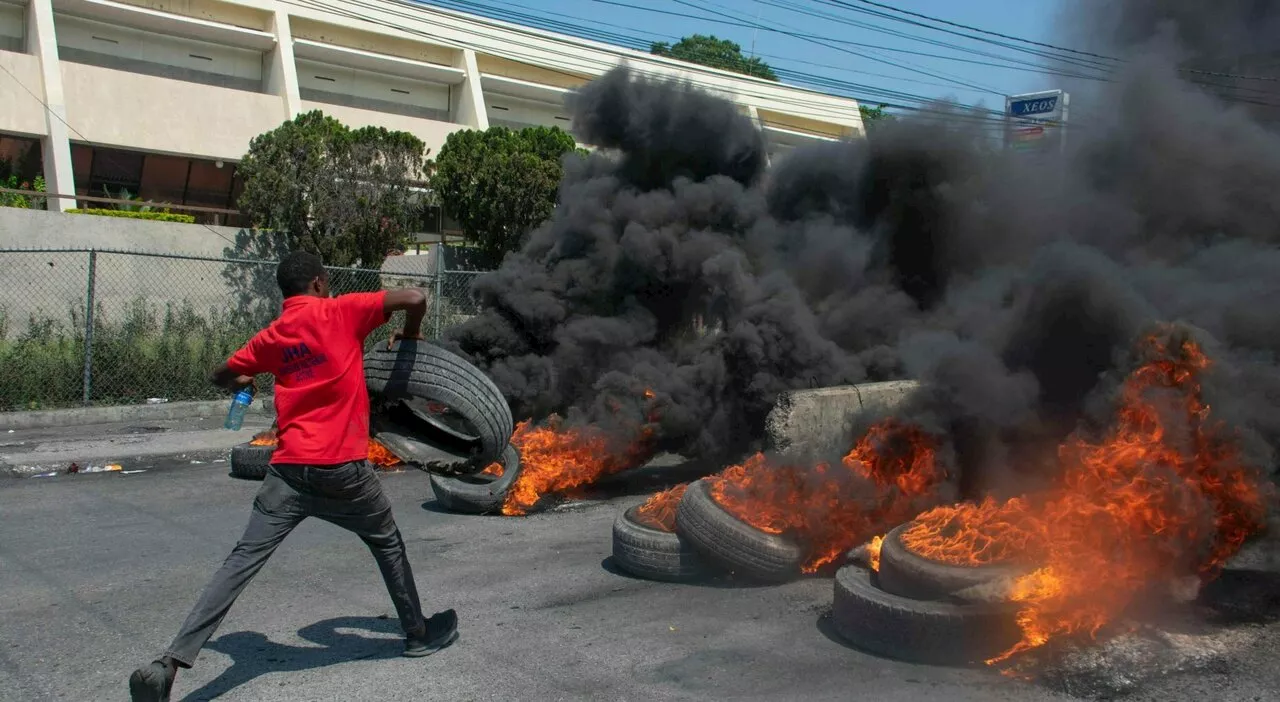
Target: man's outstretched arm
x=228 y=379
x=414 y=303
x=239 y=370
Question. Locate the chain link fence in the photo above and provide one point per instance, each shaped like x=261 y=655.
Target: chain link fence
x=93 y=327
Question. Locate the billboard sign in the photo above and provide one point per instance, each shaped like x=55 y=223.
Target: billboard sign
x=1036 y=121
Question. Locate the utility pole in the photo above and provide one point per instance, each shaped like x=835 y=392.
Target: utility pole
x=755 y=32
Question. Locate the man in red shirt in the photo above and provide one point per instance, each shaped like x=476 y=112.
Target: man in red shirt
x=315 y=350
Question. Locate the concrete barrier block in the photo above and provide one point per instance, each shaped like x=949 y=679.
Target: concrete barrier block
x=822 y=420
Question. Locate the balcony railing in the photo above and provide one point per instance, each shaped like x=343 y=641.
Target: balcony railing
x=215 y=216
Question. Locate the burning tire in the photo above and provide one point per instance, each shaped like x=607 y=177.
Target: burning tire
x=940 y=633
x=250 y=461
x=652 y=553
x=414 y=370
x=739 y=547
x=478 y=494
x=905 y=573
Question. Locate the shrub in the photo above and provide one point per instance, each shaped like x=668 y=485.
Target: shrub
x=31 y=202
x=157 y=216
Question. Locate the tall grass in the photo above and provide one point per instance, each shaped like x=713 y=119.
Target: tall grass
x=139 y=351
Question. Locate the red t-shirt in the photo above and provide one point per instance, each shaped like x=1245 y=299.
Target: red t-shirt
x=315 y=349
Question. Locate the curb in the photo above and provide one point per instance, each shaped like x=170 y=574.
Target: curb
x=130 y=464
x=82 y=416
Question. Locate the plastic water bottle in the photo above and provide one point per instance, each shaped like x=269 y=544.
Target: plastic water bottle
x=239 y=405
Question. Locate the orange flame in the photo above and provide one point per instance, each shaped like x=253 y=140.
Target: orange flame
x=1164 y=493
x=381 y=456
x=659 y=511
x=972 y=534
x=495 y=469
x=555 y=459
x=873 y=552
x=265 y=438
x=890 y=474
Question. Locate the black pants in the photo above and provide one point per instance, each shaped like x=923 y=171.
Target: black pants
x=350 y=496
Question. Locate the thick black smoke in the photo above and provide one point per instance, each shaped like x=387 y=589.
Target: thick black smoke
x=678 y=263
x=661 y=271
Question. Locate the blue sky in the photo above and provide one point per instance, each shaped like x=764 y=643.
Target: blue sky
x=800 y=43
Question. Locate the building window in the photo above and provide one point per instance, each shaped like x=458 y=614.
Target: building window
x=20 y=157
x=113 y=171
x=164 y=180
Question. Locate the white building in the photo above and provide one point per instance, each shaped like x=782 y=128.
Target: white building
x=161 y=97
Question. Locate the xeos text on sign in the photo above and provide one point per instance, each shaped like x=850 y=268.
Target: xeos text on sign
x=1033 y=107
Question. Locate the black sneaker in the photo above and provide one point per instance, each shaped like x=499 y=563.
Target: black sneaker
x=152 y=683
x=440 y=631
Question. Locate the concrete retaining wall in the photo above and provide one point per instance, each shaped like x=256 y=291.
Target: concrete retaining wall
x=40 y=229
x=822 y=420
x=50 y=284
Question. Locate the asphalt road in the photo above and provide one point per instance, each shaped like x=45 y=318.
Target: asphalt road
x=98 y=571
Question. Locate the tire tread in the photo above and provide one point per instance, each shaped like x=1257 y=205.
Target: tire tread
x=733 y=544
x=654 y=554
x=427 y=371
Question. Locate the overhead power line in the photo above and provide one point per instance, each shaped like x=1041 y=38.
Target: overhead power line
x=526 y=51
x=491 y=9
x=794 y=32
x=513 y=50
x=1032 y=42
x=975 y=29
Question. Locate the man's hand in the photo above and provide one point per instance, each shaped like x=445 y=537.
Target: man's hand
x=228 y=379
x=397 y=336
x=414 y=303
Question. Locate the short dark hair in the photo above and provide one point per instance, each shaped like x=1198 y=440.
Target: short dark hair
x=297 y=270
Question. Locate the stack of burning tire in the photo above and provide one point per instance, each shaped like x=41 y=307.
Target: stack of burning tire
x=895 y=602
x=889 y=600
x=645 y=541
x=773 y=518
x=683 y=535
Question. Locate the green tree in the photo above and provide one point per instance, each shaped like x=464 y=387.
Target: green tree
x=717 y=53
x=349 y=195
x=499 y=183
x=874 y=117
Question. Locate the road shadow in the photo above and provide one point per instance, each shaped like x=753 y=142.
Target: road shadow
x=716 y=581
x=649 y=479
x=827 y=627
x=1242 y=596
x=433 y=506
x=253 y=654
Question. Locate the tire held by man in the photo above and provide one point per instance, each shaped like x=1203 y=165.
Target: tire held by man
x=419 y=369
x=741 y=549
x=655 y=554
x=478 y=494
x=435 y=457
x=439 y=420
x=918 y=631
